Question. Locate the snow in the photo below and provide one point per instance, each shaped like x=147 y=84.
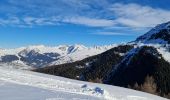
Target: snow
x=157 y=29
x=79 y=55
x=66 y=53
x=23 y=92
x=162 y=49
x=15 y=65
x=61 y=49
x=146 y=37
x=26 y=85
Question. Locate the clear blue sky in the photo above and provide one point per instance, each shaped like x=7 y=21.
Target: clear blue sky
x=88 y=22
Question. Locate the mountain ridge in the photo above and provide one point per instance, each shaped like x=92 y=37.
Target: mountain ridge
x=40 y=55
x=157 y=35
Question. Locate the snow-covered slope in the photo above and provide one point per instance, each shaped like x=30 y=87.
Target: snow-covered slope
x=158 y=35
x=81 y=54
x=40 y=56
x=33 y=93
x=20 y=85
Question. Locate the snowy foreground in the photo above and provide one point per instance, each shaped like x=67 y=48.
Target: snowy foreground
x=26 y=85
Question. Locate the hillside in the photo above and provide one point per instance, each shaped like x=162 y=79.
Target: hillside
x=26 y=85
x=146 y=67
x=90 y=69
x=143 y=69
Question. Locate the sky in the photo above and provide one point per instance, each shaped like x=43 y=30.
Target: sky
x=87 y=22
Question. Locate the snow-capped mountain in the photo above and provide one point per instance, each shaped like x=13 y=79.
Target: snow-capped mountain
x=41 y=56
x=158 y=35
x=147 y=66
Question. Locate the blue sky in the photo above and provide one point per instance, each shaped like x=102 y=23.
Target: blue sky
x=88 y=22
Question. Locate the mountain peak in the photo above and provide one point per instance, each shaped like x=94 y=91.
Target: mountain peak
x=76 y=47
x=157 y=35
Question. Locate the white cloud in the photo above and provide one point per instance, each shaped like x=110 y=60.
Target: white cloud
x=29 y=20
x=134 y=15
x=112 y=33
x=39 y=21
x=55 y=20
x=103 y=14
x=90 y=21
x=12 y=20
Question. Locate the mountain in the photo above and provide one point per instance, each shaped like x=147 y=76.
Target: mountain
x=142 y=68
x=147 y=66
x=41 y=56
x=158 y=35
x=143 y=64
x=93 y=68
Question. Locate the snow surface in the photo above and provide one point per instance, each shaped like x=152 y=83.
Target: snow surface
x=26 y=85
x=12 y=91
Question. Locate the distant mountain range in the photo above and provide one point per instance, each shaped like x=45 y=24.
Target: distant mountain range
x=143 y=64
x=41 y=56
